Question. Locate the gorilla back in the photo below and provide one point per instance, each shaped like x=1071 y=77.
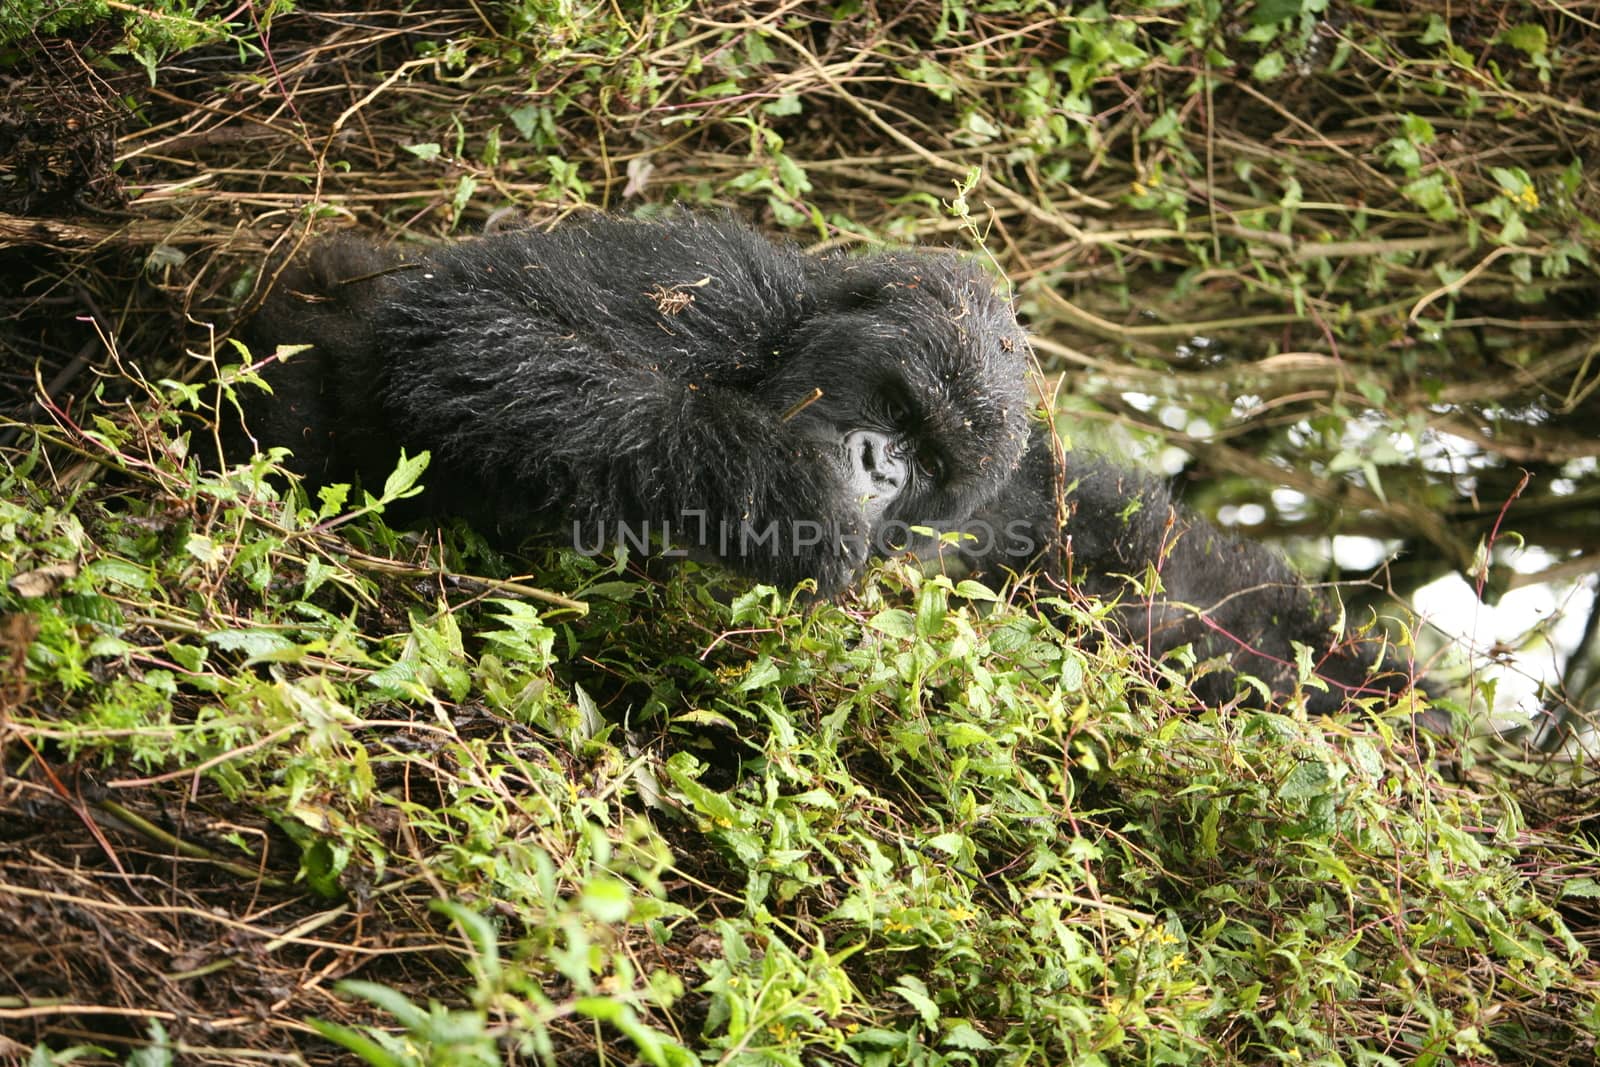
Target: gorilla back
x=784 y=413
x=1177 y=580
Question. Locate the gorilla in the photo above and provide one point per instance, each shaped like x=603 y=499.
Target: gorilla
x=686 y=381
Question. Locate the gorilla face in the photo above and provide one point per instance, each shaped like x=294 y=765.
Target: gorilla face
x=684 y=381
x=926 y=403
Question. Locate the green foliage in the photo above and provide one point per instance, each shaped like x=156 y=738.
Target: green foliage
x=27 y=17
x=954 y=833
x=148 y=33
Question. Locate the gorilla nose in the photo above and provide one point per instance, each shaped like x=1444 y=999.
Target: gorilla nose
x=874 y=465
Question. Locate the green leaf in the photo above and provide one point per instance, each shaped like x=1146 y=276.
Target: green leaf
x=1418 y=129
x=1268 y=12
x=761 y=674
x=606 y=899
x=708 y=802
x=120 y=572
x=971 y=590
x=525 y=119
x=1430 y=193
x=525 y=637
x=1309 y=778
x=1527 y=37
x=965 y=735
x=333 y=499
x=963 y=1036
x=317 y=572
x=362 y=1045
x=792 y=176
x=402 y=482
x=896 y=622
x=915 y=992
x=191 y=658
x=321 y=863
x=603 y=1009
x=931 y=610
x=202 y=548
x=252 y=643
x=1165 y=125
x=935 y=77
x=392 y=1001
x=1268 y=67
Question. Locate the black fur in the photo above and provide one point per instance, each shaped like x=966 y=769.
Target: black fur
x=638 y=375
x=1177 y=580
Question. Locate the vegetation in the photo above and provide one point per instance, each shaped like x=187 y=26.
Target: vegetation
x=280 y=782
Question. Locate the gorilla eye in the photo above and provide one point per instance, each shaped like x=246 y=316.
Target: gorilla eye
x=932 y=464
x=897 y=411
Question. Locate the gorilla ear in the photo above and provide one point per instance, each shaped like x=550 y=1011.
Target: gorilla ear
x=854 y=294
x=858 y=289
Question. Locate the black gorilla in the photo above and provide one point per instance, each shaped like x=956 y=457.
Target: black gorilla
x=687 y=378
x=789 y=415
x=1177 y=580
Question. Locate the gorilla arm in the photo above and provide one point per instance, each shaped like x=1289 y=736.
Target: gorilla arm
x=613 y=454
x=325 y=298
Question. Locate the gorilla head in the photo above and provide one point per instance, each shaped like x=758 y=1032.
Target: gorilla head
x=682 y=380
x=917 y=372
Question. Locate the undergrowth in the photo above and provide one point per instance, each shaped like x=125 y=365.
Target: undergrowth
x=435 y=813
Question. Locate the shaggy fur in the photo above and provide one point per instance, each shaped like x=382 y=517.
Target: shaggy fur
x=1177 y=580
x=614 y=377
